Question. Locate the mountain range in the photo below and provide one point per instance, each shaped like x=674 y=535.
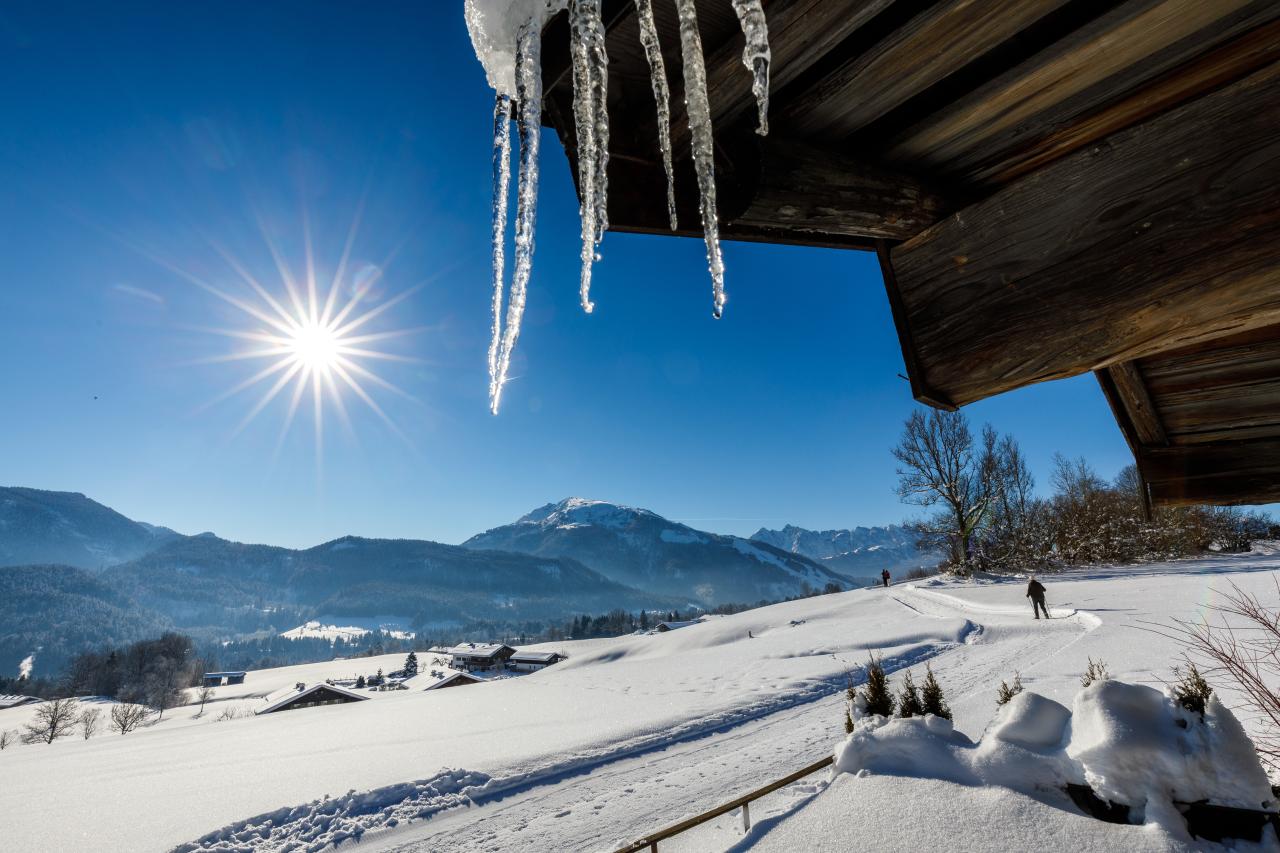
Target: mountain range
x=82 y=575
x=642 y=549
x=856 y=551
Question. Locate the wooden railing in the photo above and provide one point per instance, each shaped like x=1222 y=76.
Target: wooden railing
x=650 y=841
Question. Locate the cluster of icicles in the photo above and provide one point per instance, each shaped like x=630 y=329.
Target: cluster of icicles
x=591 y=120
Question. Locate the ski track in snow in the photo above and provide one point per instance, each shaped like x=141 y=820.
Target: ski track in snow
x=601 y=802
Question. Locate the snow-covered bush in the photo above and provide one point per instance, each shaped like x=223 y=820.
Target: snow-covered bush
x=931 y=698
x=1096 y=671
x=876 y=698
x=1191 y=690
x=1008 y=691
x=909 y=699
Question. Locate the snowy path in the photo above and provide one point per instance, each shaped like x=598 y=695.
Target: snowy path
x=624 y=799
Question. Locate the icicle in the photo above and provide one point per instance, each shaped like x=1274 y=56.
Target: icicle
x=756 y=55
x=591 y=120
x=501 y=185
x=662 y=95
x=529 y=96
x=702 y=143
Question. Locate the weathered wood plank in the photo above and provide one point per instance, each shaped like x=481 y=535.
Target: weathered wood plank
x=1239 y=472
x=1231 y=361
x=936 y=42
x=805 y=189
x=1142 y=412
x=801 y=32
x=1163 y=236
x=1100 y=63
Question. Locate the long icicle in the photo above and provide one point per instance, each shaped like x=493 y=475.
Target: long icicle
x=586 y=44
x=661 y=95
x=529 y=96
x=501 y=191
x=702 y=144
x=756 y=55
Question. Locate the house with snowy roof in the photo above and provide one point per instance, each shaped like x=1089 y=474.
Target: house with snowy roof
x=533 y=661
x=13 y=700
x=486 y=657
x=302 y=696
x=440 y=679
x=663 y=627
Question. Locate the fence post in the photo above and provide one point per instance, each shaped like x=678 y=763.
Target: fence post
x=746 y=817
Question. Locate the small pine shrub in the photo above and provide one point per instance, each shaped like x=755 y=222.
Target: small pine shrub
x=1007 y=692
x=909 y=699
x=875 y=692
x=1191 y=690
x=931 y=698
x=848 y=721
x=1096 y=671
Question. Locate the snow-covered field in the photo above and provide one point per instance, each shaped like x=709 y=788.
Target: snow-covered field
x=629 y=735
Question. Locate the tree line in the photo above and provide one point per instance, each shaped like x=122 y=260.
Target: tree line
x=987 y=515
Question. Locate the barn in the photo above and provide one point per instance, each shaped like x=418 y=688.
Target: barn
x=314 y=696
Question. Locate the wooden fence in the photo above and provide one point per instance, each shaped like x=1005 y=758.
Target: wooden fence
x=650 y=841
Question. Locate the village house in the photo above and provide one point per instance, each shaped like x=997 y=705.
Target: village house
x=302 y=696
x=451 y=679
x=487 y=657
x=533 y=661
x=221 y=679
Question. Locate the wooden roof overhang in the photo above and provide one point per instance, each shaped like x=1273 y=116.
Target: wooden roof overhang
x=1052 y=187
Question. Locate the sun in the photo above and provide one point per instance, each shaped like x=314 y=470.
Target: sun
x=315 y=346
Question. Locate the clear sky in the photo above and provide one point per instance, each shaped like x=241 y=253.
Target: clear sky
x=139 y=139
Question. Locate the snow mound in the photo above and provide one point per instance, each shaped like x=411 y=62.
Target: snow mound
x=1138 y=746
x=1031 y=720
x=1130 y=743
x=332 y=820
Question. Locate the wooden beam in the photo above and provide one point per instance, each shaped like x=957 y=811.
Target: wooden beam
x=936 y=42
x=1132 y=391
x=1238 y=472
x=1111 y=73
x=800 y=188
x=1162 y=236
x=801 y=33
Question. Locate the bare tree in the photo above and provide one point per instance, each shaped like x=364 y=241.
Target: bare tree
x=939 y=465
x=90 y=719
x=164 y=685
x=1243 y=645
x=204 y=694
x=53 y=719
x=126 y=716
x=7 y=736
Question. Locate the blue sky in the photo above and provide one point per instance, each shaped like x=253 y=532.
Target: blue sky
x=140 y=136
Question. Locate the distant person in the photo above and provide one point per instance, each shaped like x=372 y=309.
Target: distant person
x=884 y=576
x=1035 y=592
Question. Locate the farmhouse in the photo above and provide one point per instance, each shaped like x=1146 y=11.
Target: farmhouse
x=663 y=627
x=219 y=679
x=533 y=661
x=451 y=679
x=470 y=657
x=310 y=697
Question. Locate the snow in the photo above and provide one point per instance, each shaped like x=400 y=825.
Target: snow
x=494 y=26
x=633 y=733
x=320 y=629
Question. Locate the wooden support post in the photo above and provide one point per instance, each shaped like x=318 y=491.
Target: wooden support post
x=746 y=818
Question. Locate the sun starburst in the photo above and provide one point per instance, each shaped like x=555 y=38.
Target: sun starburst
x=314 y=347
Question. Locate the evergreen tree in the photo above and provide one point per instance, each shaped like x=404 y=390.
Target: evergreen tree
x=909 y=699
x=931 y=699
x=875 y=692
x=1191 y=691
x=360 y=682
x=411 y=665
x=1007 y=692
